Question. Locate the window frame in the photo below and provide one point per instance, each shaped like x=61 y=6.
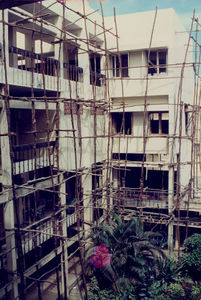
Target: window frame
x=160 y=120
x=122 y=130
x=117 y=68
x=160 y=68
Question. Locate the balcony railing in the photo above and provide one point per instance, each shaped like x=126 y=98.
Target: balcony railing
x=38 y=233
x=132 y=197
x=28 y=60
x=26 y=157
x=74 y=73
x=96 y=78
x=3 y=260
x=31 y=240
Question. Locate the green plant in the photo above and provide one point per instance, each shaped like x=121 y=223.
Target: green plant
x=126 y=292
x=175 y=291
x=122 y=250
x=161 y=297
x=195 y=291
x=191 y=259
x=95 y=293
x=168 y=271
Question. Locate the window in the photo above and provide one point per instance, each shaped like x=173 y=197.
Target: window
x=95 y=63
x=188 y=121
x=70 y=64
x=116 y=65
x=128 y=156
x=20 y=40
x=73 y=190
x=117 y=123
x=157 y=61
x=96 y=78
x=159 y=123
x=97 y=191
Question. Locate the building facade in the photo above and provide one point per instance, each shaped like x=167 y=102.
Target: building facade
x=153 y=123
x=94 y=118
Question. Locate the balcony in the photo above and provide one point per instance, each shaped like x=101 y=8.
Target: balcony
x=28 y=157
x=21 y=61
x=41 y=63
x=74 y=72
x=97 y=79
x=132 y=197
x=43 y=231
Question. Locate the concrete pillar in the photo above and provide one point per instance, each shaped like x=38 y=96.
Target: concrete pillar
x=170 y=238
x=9 y=217
x=64 y=255
x=107 y=200
x=87 y=202
x=28 y=46
x=12 y=35
x=170 y=207
x=59 y=54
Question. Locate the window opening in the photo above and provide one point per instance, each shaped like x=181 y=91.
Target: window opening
x=157 y=61
x=118 y=126
x=95 y=70
x=159 y=123
x=116 y=65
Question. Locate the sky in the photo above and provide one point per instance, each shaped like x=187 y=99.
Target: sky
x=184 y=8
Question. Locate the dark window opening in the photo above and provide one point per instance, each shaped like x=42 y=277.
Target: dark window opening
x=116 y=65
x=159 y=123
x=122 y=125
x=157 y=180
x=162 y=61
x=128 y=156
x=73 y=191
x=154 y=126
x=164 y=126
x=97 y=213
x=131 y=178
x=97 y=191
x=72 y=231
x=95 y=63
x=152 y=63
x=157 y=61
x=96 y=78
x=153 y=179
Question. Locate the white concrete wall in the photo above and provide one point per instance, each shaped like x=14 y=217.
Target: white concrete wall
x=170 y=34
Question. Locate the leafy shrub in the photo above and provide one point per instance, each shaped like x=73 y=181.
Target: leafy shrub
x=175 y=291
x=195 y=292
x=95 y=293
x=126 y=292
x=191 y=259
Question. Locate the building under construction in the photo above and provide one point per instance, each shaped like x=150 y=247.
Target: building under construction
x=96 y=115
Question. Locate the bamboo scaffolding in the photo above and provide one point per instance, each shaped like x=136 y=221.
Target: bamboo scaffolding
x=58 y=178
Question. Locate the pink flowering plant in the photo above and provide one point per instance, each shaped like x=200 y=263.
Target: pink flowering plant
x=101 y=257
x=121 y=252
